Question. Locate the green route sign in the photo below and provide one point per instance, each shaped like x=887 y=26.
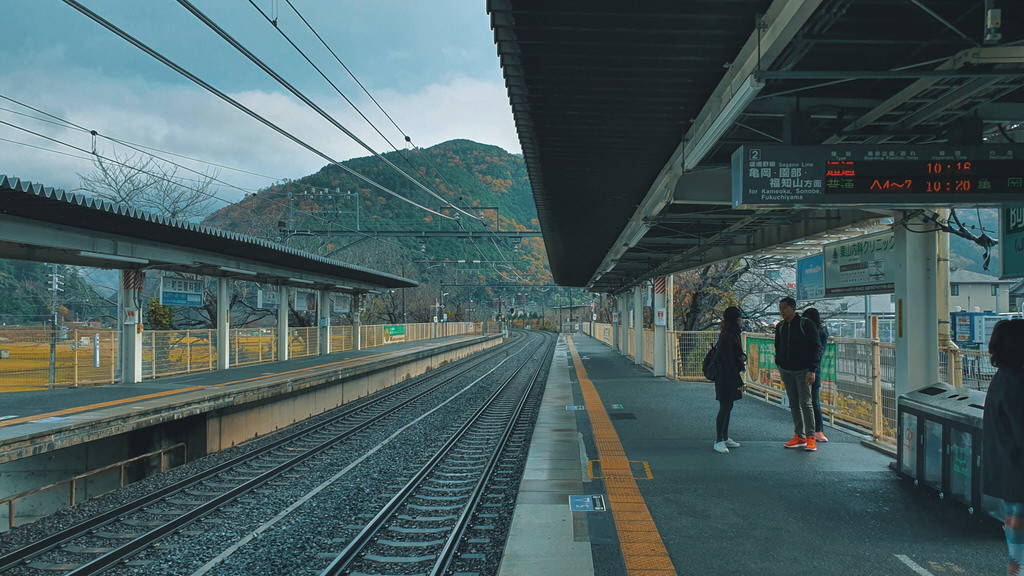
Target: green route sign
x=1011 y=242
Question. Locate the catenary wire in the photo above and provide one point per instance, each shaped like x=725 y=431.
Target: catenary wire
x=91 y=156
x=238 y=105
x=408 y=139
x=56 y=120
x=298 y=94
x=159 y=57
x=227 y=37
x=63 y=122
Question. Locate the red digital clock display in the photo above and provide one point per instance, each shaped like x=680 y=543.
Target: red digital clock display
x=859 y=174
x=904 y=177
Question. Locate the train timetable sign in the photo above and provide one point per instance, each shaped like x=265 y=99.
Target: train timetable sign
x=867 y=174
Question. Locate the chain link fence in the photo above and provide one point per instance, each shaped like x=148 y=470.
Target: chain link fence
x=170 y=352
x=85 y=357
x=253 y=346
x=38 y=359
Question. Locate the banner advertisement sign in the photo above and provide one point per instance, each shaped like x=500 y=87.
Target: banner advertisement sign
x=862 y=265
x=810 y=278
x=342 y=303
x=305 y=301
x=180 y=292
x=394 y=333
x=761 y=368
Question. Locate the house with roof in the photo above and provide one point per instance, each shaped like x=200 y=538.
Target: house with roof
x=1017 y=296
x=975 y=292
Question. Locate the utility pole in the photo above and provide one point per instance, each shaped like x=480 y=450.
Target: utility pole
x=56 y=285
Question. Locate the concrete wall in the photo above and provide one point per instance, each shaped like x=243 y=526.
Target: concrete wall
x=980 y=296
x=236 y=424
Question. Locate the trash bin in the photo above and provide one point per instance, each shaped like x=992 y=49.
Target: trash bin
x=940 y=443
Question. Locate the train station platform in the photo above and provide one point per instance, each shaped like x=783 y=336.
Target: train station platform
x=674 y=506
x=48 y=436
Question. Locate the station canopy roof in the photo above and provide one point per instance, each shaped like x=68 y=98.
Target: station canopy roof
x=628 y=112
x=48 y=225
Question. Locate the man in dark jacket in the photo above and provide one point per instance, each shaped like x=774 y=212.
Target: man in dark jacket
x=798 y=359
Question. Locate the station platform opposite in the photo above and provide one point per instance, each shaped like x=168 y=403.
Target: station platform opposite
x=109 y=435
x=675 y=506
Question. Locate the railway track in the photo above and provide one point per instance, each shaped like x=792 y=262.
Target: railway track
x=453 y=501
x=113 y=538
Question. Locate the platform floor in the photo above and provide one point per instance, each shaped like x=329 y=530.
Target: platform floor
x=759 y=510
x=37 y=410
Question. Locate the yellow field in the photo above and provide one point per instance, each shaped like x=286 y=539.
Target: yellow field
x=26 y=363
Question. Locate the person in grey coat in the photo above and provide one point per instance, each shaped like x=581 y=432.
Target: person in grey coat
x=1003 y=434
x=728 y=383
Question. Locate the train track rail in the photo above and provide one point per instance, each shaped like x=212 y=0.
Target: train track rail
x=113 y=537
x=456 y=492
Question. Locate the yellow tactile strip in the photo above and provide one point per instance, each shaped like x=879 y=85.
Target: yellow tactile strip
x=642 y=548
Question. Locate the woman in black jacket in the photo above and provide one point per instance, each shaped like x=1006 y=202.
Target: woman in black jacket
x=1003 y=432
x=728 y=384
x=819 y=424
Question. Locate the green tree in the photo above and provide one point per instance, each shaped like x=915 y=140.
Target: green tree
x=158 y=316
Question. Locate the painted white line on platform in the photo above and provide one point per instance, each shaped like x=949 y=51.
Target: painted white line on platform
x=913 y=565
x=8 y=417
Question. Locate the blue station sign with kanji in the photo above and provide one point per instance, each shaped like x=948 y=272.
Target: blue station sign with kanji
x=181 y=292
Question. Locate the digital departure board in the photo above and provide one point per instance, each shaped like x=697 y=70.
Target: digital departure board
x=868 y=174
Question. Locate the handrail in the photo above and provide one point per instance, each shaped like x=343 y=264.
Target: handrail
x=10 y=500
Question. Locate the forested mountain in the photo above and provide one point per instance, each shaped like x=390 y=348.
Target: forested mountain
x=489 y=186
x=473 y=187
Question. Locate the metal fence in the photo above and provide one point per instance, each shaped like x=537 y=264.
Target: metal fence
x=170 y=352
x=690 y=348
x=253 y=346
x=341 y=339
x=303 y=342
x=85 y=357
x=858 y=375
x=81 y=357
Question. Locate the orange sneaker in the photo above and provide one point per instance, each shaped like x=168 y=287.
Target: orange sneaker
x=796 y=442
x=812 y=444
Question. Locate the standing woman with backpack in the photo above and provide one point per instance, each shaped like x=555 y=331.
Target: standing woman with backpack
x=728 y=382
x=813 y=315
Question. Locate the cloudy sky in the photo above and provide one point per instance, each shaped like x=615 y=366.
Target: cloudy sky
x=431 y=64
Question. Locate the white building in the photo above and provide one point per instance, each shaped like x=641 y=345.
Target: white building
x=974 y=292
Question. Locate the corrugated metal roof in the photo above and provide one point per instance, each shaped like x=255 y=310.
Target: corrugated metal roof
x=969 y=277
x=36 y=202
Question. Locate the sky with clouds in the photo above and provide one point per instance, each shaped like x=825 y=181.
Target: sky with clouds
x=431 y=65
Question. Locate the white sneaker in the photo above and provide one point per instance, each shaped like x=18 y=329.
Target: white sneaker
x=730 y=443
x=720 y=448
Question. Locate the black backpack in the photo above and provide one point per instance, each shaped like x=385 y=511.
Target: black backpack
x=711 y=365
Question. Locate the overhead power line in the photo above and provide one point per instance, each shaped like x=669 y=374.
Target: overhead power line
x=238 y=105
x=408 y=139
x=298 y=94
x=58 y=121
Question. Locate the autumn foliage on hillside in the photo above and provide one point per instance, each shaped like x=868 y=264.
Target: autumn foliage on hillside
x=478 y=188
